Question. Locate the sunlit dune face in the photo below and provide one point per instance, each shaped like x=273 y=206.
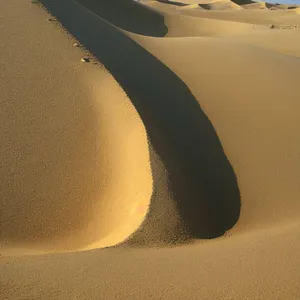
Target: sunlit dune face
x=75 y=169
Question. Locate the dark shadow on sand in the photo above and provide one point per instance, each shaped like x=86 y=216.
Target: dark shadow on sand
x=203 y=182
x=243 y=2
x=173 y=3
x=128 y=15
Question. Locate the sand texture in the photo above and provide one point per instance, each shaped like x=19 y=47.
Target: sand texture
x=149 y=150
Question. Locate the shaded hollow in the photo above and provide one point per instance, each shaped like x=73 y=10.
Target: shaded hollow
x=129 y=15
x=201 y=178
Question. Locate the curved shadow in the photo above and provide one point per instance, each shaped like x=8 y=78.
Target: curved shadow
x=128 y=15
x=173 y=3
x=243 y=2
x=202 y=180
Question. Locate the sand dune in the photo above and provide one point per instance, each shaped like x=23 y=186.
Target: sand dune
x=297 y=10
x=219 y=5
x=255 y=5
x=263 y=17
x=169 y=6
x=129 y=15
x=242 y=116
x=173 y=120
x=165 y=6
x=76 y=159
x=177 y=151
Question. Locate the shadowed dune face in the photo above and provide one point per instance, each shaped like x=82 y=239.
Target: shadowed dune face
x=173 y=2
x=74 y=159
x=243 y=2
x=201 y=179
x=255 y=110
x=128 y=15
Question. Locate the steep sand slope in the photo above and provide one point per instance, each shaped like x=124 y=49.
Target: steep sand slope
x=255 y=105
x=128 y=15
x=176 y=125
x=171 y=23
x=74 y=157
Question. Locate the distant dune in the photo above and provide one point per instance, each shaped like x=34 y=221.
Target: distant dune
x=256 y=5
x=149 y=150
x=219 y=5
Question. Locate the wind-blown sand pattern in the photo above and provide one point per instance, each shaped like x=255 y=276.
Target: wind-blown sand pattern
x=149 y=150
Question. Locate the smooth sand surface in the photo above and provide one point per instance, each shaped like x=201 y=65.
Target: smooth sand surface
x=166 y=167
x=74 y=157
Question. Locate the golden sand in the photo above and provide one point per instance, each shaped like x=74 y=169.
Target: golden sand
x=149 y=150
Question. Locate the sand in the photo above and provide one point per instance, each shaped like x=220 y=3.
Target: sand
x=164 y=167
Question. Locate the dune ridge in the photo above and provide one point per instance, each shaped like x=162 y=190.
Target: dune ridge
x=168 y=132
x=255 y=5
x=220 y=5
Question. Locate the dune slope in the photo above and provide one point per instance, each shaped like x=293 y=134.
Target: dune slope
x=250 y=106
x=74 y=158
x=129 y=15
x=174 y=122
